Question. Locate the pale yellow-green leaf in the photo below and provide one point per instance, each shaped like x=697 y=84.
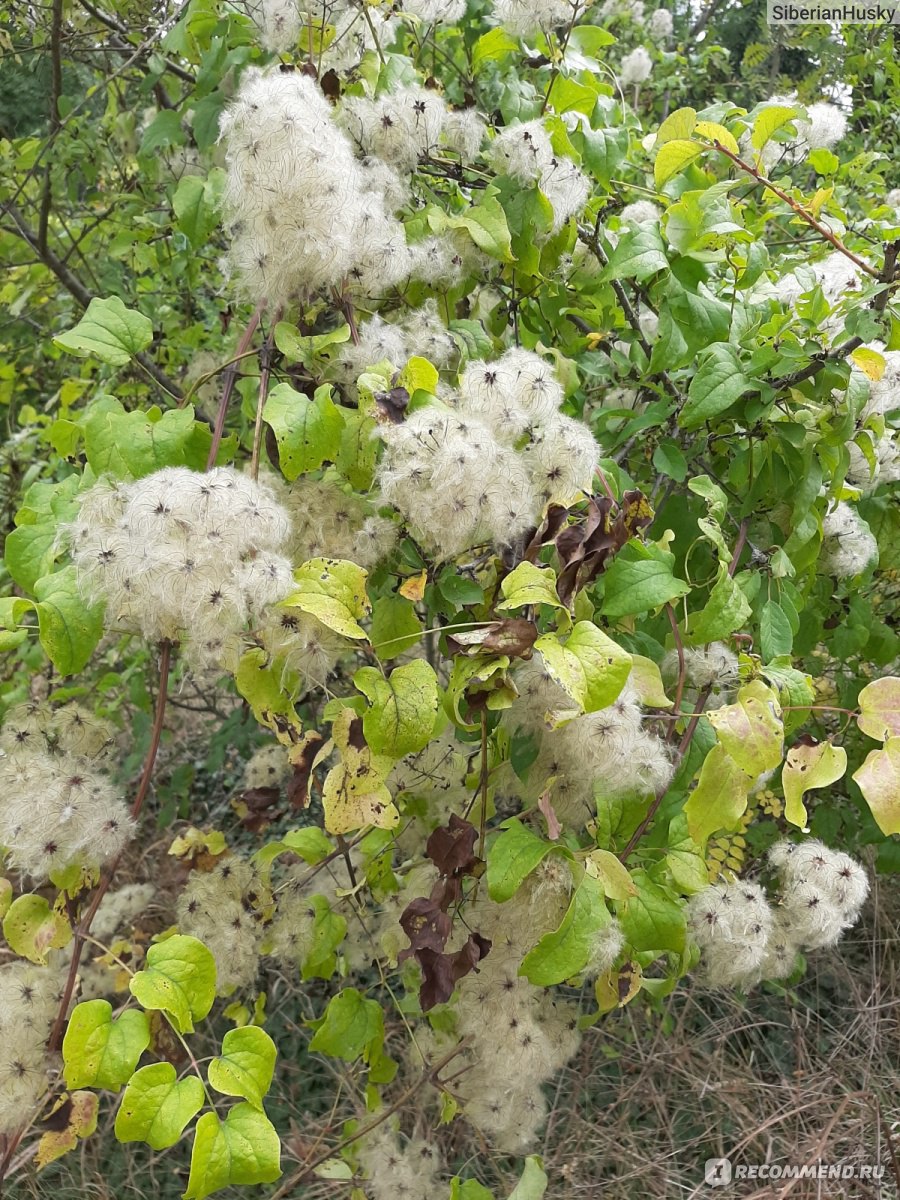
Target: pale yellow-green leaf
x=870 y=362
x=32 y=928
x=646 y=680
x=674 y=157
x=720 y=798
x=805 y=768
x=772 y=118
x=751 y=730
x=717 y=133
x=879 y=708
x=590 y=666
x=612 y=875
x=879 y=781
x=529 y=585
x=679 y=124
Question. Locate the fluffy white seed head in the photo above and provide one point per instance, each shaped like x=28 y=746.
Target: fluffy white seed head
x=635 y=67
x=848 y=544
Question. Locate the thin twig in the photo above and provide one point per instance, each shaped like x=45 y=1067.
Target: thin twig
x=798 y=208
x=230 y=375
x=428 y=1076
x=84 y=926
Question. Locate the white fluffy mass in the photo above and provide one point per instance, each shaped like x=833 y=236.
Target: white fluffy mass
x=57 y=807
x=300 y=211
x=483 y=471
x=848 y=544
x=525 y=152
x=635 y=67
x=744 y=938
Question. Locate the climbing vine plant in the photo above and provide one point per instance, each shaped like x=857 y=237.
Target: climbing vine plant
x=515 y=448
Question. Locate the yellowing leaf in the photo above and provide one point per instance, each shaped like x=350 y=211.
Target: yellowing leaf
x=646 y=680
x=618 y=987
x=100 y=1052
x=879 y=708
x=80 y=1112
x=612 y=875
x=414 y=587
x=590 y=666
x=674 y=157
x=334 y=592
x=529 y=585
x=679 y=124
x=751 y=730
x=807 y=767
x=717 y=133
x=354 y=794
x=32 y=928
x=870 y=362
x=720 y=798
x=879 y=782
x=242 y=1149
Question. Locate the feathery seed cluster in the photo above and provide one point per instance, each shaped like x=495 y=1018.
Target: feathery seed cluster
x=744 y=939
x=458 y=476
x=591 y=760
x=225 y=909
x=636 y=67
x=298 y=206
x=29 y=998
x=525 y=152
x=57 y=809
x=184 y=556
x=848 y=544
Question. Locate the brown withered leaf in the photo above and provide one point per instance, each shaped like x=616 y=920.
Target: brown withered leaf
x=392 y=405
x=514 y=637
x=331 y=85
x=546 y=533
x=442 y=972
x=254 y=806
x=426 y=925
x=302 y=757
x=451 y=847
x=587 y=547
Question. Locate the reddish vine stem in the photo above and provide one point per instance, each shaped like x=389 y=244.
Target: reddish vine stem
x=230 y=376
x=688 y=735
x=84 y=926
x=798 y=208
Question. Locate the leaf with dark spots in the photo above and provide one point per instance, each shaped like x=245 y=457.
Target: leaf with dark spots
x=514 y=638
x=452 y=847
x=302 y=758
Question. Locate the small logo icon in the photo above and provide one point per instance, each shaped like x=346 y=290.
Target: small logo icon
x=717 y=1172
